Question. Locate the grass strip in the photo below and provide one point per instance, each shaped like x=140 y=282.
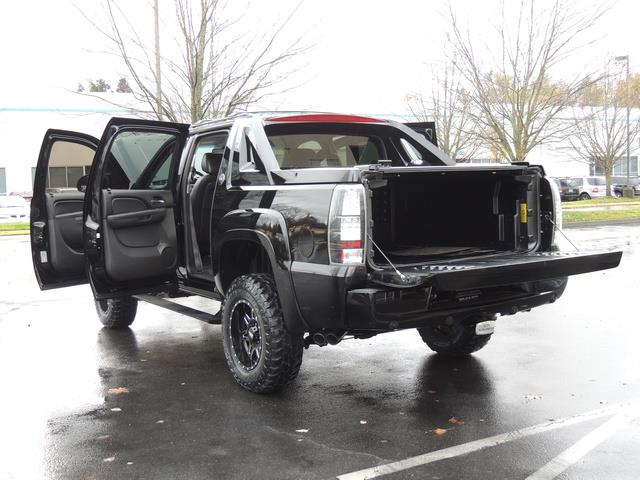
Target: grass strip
x=13 y=226
x=573 y=216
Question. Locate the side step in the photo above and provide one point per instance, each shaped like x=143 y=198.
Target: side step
x=181 y=309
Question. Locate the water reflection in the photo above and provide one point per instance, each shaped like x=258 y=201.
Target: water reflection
x=451 y=376
x=462 y=387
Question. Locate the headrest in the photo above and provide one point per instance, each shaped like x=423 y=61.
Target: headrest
x=299 y=158
x=211 y=162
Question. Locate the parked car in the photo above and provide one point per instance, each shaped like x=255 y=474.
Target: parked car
x=591 y=187
x=309 y=228
x=568 y=188
x=619 y=184
x=13 y=208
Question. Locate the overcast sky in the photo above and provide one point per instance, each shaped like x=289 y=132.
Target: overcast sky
x=367 y=55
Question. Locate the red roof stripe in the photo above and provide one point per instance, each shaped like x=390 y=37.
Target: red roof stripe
x=326 y=117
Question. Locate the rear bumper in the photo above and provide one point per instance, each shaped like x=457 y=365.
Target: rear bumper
x=380 y=309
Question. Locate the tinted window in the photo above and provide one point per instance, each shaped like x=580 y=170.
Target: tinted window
x=214 y=143
x=325 y=150
x=315 y=145
x=67 y=163
x=597 y=181
x=137 y=159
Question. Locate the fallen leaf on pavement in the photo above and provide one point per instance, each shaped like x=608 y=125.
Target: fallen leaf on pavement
x=456 y=421
x=118 y=390
x=109 y=459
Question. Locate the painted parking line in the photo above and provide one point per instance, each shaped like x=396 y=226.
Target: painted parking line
x=583 y=446
x=474 y=446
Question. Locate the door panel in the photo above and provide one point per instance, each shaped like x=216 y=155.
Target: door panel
x=139 y=234
x=64 y=214
x=57 y=206
x=130 y=224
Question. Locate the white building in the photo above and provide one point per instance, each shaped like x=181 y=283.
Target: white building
x=23 y=124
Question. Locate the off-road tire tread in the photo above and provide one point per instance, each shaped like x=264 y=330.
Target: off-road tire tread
x=466 y=344
x=120 y=314
x=282 y=349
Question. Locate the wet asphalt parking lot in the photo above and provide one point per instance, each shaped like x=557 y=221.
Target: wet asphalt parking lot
x=554 y=395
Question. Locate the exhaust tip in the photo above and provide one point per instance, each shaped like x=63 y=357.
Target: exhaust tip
x=319 y=339
x=334 y=338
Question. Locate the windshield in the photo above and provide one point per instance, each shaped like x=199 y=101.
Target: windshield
x=314 y=145
x=597 y=181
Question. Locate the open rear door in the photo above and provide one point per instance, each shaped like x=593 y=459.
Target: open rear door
x=56 y=208
x=130 y=213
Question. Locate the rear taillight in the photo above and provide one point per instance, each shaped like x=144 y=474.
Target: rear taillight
x=594 y=189
x=347 y=225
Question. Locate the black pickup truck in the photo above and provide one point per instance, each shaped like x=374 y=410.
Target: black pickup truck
x=308 y=227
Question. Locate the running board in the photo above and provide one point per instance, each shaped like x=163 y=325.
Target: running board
x=181 y=309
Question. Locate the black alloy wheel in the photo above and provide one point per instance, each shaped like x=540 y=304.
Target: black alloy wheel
x=261 y=353
x=246 y=335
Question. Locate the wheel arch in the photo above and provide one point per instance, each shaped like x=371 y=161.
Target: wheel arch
x=256 y=241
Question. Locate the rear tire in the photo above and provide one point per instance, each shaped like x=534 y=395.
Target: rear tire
x=261 y=354
x=117 y=313
x=453 y=340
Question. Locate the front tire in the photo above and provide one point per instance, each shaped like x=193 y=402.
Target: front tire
x=453 y=340
x=584 y=196
x=117 y=313
x=261 y=354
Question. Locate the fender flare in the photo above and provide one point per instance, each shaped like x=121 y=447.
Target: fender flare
x=266 y=228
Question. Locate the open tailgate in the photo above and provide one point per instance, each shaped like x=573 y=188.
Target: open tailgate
x=495 y=270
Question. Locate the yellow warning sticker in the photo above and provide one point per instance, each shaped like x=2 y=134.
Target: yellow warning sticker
x=524 y=211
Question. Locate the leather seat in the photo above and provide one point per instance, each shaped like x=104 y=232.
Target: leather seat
x=299 y=158
x=309 y=158
x=202 y=199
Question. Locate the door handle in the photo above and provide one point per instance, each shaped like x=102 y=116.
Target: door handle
x=157 y=202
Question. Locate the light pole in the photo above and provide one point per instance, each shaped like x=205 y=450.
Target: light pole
x=625 y=58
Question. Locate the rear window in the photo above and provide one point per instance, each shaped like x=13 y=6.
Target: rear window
x=597 y=181
x=309 y=145
x=569 y=182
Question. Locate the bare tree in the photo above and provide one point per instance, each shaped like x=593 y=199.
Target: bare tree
x=599 y=133
x=514 y=101
x=449 y=106
x=214 y=73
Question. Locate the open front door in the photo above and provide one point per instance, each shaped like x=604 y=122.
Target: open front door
x=130 y=214
x=56 y=208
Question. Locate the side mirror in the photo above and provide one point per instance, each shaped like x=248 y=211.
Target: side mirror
x=211 y=163
x=82 y=183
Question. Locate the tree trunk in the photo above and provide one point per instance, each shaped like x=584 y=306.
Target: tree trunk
x=607 y=175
